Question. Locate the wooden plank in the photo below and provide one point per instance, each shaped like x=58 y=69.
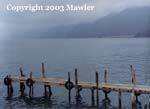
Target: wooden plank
x=86 y=85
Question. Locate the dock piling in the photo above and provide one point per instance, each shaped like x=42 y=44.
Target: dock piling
x=92 y=96
x=76 y=84
x=119 y=99
x=29 y=83
x=105 y=76
x=49 y=92
x=22 y=85
x=69 y=85
x=145 y=106
x=8 y=83
x=45 y=91
x=21 y=72
x=43 y=71
x=137 y=93
x=133 y=75
x=97 y=91
x=69 y=91
x=77 y=87
x=106 y=90
x=133 y=88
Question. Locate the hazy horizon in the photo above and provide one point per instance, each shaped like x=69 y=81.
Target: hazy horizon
x=17 y=24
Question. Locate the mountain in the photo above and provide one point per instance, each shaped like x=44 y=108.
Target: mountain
x=143 y=34
x=127 y=22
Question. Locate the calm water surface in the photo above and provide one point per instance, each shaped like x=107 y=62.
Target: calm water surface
x=63 y=55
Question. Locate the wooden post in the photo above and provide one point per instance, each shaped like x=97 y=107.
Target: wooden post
x=30 y=95
x=45 y=91
x=32 y=91
x=119 y=99
x=145 y=106
x=106 y=95
x=105 y=76
x=50 y=91
x=43 y=76
x=22 y=85
x=136 y=96
x=31 y=88
x=131 y=68
x=97 y=90
x=133 y=98
x=76 y=85
x=30 y=75
x=76 y=77
x=148 y=105
x=43 y=71
x=133 y=83
x=133 y=75
x=9 y=87
x=21 y=72
x=22 y=88
x=133 y=78
x=69 y=95
x=92 y=96
x=69 y=91
x=8 y=91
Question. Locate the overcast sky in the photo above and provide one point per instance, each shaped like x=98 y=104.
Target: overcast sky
x=12 y=23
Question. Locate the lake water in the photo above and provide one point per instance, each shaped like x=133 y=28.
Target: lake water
x=64 y=55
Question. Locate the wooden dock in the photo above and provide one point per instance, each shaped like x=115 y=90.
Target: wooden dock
x=85 y=85
x=69 y=84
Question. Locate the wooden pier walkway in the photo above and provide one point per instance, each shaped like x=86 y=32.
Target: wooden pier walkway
x=69 y=84
x=86 y=85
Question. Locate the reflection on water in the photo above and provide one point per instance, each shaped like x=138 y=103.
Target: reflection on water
x=42 y=102
x=45 y=102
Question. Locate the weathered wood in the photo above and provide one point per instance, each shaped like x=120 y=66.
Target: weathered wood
x=76 y=78
x=105 y=76
x=131 y=68
x=49 y=92
x=21 y=72
x=119 y=99
x=133 y=98
x=22 y=85
x=30 y=92
x=97 y=90
x=86 y=85
x=30 y=75
x=92 y=97
x=77 y=87
x=45 y=90
x=145 y=106
x=43 y=71
x=8 y=83
x=133 y=88
x=133 y=75
x=31 y=88
x=106 y=90
x=69 y=91
x=76 y=83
